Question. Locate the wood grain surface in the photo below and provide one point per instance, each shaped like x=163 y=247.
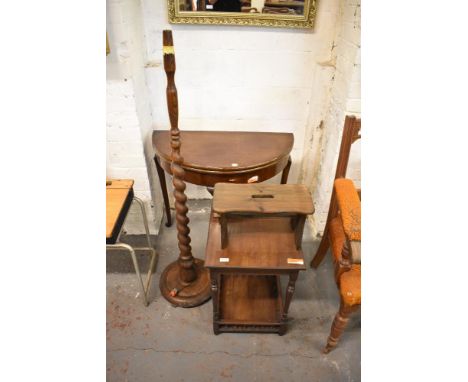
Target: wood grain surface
x=262 y=198
x=116 y=194
x=226 y=150
x=255 y=243
x=247 y=298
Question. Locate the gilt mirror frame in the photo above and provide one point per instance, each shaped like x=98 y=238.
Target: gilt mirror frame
x=248 y=19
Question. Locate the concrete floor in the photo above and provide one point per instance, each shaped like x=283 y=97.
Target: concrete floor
x=163 y=343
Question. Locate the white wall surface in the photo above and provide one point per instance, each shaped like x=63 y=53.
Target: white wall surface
x=239 y=78
x=344 y=99
x=129 y=119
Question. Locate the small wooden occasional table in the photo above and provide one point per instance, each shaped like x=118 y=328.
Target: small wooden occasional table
x=263 y=244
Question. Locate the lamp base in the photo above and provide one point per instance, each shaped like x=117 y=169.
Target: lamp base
x=185 y=296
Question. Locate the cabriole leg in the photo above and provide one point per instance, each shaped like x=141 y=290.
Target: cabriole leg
x=162 y=182
x=284 y=175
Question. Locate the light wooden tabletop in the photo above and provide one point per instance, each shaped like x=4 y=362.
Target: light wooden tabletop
x=117 y=193
x=262 y=198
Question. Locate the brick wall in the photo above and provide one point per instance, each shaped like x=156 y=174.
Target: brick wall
x=129 y=119
x=238 y=78
x=344 y=98
x=241 y=78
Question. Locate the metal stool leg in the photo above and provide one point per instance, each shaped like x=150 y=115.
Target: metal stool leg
x=150 y=246
x=145 y=220
x=135 y=264
x=144 y=288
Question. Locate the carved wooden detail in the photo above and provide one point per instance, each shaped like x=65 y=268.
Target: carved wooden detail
x=186 y=282
x=215 y=297
x=339 y=324
x=245 y=19
x=345 y=262
x=187 y=272
x=289 y=293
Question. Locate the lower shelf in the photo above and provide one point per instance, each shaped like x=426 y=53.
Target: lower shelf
x=250 y=303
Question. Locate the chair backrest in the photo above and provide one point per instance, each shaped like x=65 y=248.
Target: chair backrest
x=351 y=133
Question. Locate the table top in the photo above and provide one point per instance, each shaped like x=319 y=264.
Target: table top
x=262 y=199
x=225 y=151
x=118 y=193
x=254 y=244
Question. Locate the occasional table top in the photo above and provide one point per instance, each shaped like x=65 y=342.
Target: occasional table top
x=262 y=199
x=254 y=243
x=226 y=151
x=118 y=193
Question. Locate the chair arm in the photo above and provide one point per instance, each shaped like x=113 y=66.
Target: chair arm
x=349 y=205
x=355 y=252
x=351 y=254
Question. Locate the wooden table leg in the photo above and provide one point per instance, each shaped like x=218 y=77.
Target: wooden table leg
x=162 y=182
x=215 y=281
x=298 y=227
x=224 y=231
x=289 y=293
x=284 y=175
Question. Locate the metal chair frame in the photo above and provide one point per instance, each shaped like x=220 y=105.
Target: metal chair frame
x=154 y=256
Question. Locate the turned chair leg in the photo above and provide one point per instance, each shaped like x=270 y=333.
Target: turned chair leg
x=162 y=182
x=339 y=325
x=322 y=249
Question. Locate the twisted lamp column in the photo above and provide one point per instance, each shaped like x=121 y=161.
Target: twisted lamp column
x=185 y=282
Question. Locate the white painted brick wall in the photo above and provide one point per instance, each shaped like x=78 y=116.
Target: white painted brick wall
x=345 y=98
x=129 y=117
x=125 y=155
x=236 y=78
x=242 y=78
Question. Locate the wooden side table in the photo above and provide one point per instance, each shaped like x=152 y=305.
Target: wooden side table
x=245 y=275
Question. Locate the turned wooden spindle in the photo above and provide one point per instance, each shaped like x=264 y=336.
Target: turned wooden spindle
x=185 y=282
x=339 y=324
x=187 y=272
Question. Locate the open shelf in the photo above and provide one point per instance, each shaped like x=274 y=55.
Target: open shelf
x=254 y=243
x=251 y=301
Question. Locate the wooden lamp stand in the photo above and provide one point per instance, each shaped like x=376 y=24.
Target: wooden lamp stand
x=185 y=282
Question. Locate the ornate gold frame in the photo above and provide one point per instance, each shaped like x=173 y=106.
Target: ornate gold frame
x=249 y=19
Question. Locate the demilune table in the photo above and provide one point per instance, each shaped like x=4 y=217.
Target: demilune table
x=212 y=157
